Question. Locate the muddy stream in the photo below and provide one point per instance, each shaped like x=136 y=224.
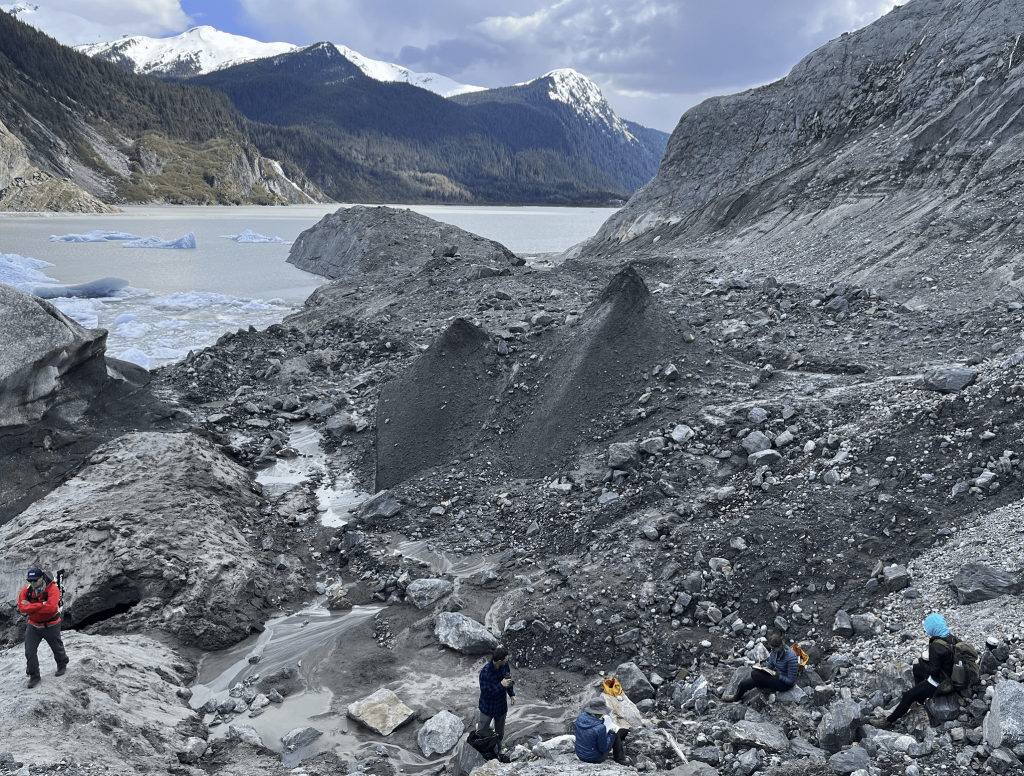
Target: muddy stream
x=338 y=661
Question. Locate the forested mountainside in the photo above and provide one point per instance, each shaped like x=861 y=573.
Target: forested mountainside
x=457 y=149
x=124 y=138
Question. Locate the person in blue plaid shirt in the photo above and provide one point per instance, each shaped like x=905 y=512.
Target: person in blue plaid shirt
x=495 y=690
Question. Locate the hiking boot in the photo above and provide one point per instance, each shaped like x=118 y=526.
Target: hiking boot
x=33 y=680
x=61 y=670
x=882 y=723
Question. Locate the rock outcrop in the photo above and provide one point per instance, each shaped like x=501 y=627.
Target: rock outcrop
x=40 y=350
x=899 y=138
x=150 y=534
x=120 y=706
x=358 y=240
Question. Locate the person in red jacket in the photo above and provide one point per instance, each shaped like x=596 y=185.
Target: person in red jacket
x=40 y=599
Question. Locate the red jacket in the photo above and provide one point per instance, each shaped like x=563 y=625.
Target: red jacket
x=41 y=608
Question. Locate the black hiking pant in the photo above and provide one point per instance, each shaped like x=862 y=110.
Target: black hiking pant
x=919 y=693
x=618 y=750
x=51 y=635
x=762 y=681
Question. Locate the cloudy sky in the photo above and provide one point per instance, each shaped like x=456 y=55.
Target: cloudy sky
x=652 y=58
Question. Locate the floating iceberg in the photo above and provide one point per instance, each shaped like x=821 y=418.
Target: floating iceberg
x=96 y=235
x=249 y=236
x=137 y=356
x=93 y=289
x=188 y=241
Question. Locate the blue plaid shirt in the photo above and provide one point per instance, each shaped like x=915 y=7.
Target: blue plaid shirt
x=494 y=697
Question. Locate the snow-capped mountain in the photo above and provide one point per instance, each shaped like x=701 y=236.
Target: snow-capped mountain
x=194 y=52
x=203 y=50
x=583 y=96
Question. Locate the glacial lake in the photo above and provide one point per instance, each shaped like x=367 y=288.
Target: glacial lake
x=181 y=300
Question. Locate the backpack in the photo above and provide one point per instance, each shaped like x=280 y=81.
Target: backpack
x=486 y=742
x=966 y=672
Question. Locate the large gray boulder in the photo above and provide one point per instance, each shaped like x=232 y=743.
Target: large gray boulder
x=979 y=582
x=633 y=682
x=39 y=349
x=382 y=712
x=1004 y=723
x=761 y=735
x=440 y=734
x=948 y=379
x=425 y=592
x=117 y=708
x=463 y=634
x=360 y=240
x=152 y=531
x=838 y=726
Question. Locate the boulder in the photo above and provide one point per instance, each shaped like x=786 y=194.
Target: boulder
x=622 y=455
x=463 y=634
x=125 y=529
x=843 y=625
x=867 y=625
x=838 y=725
x=382 y=712
x=895 y=577
x=764 y=458
x=245 y=733
x=426 y=592
x=1004 y=723
x=755 y=442
x=39 y=348
x=633 y=682
x=360 y=241
x=440 y=734
x=299 y=737
x=693 y=769
x=979 y=582
x=117 y=708
x=193 y=749
x=761 y=735
x=382 y=505
x=682 y=434
x=948 y=379
x=850 y=760
x=943 y=708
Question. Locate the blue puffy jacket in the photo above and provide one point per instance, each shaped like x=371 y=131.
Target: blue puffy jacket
x=785 y=666
x=592 y=739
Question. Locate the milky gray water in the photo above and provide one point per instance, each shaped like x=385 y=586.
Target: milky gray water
x=181 y=300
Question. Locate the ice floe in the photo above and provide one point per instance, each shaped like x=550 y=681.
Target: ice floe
x=249 y=236
x=96 y=235
x=188 y=241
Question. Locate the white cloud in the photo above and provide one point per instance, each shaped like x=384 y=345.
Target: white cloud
x=90 y=21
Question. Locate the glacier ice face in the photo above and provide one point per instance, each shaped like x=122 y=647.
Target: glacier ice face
x=188 y=241
x=96 y=235
x=249 y=236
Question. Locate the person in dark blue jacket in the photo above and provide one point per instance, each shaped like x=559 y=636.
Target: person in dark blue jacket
x=495 y=690
x=783 y=665
x=594 y=742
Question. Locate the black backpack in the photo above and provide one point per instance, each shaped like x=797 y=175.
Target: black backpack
x=486 y=742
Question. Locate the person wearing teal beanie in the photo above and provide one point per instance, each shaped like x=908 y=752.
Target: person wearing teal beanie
x=934 y=667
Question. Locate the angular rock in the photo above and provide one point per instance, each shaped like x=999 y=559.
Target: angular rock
x=948 y=379
x=764 y=458
x=682 y=434
x=382 y=505
x=466 y=760
x=943 y=708
x=979 y=582
x=694 y=769
x=463 y=634
x=755 y=442
x=762 y=735
x=194 y=749
x=850 y=760
x=440 y=734
x=299 y=737
x=867 y=625
x=843 y=625
x=622 y=455
x=246 y=733
x=1004 y=723
x=895 y=577
x=633 y=682
x=426 y=592
x=382 y=712
x=838 y=725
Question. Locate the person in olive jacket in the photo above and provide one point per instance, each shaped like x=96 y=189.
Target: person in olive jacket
x=934 y=667
x=40 y=600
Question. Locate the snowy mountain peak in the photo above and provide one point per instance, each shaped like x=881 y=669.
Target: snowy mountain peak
x=194 y=52
x=574 y=89
x=204 y=49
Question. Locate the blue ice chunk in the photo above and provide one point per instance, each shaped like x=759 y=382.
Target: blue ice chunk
x=96 y=235
x=249 y=236
x=18 y=270
x=188 y=241
x=94 y=289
